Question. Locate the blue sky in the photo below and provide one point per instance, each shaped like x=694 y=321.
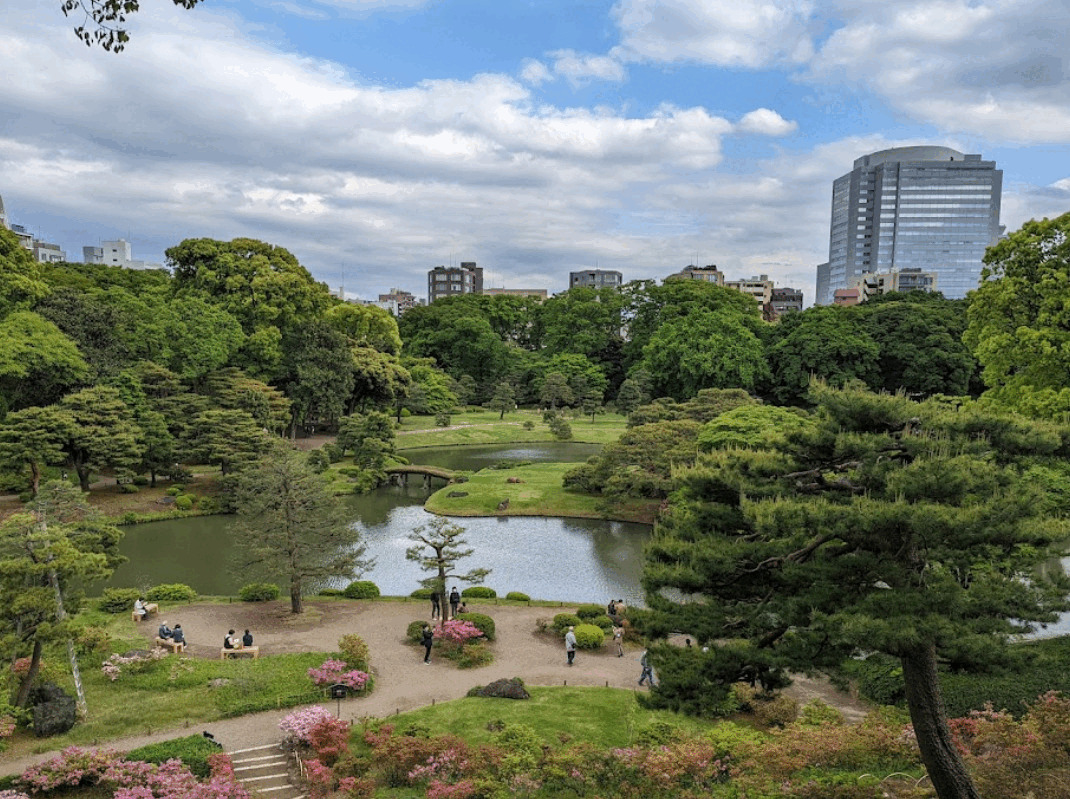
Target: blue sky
x=378 y=138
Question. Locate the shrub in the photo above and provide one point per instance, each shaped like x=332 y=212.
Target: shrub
x=128 y=488
x=586 y=612
x=777 y=711
x=560 y=428
x=502 y=689
x=331 y=592
x=258 y=592
x=517 y=596
x=335 y=672
x=209 y=505
x=442 y=419
x=298 y=725
x=529 y=425
x=473 y=656
x=355 y=651
x=816 y=713
x=458 y=632
x=479 y=592
x=657 y=733
x=183 y=502
x=422 y=593
x=318 y=461
x=414 y=632
x=880 y=679
x=484 y=623
x=171 y=592
x=589 y=636
x=562 y=621
x=361 y=589
x=118 y=600
x=193 y=751
x=334 y=452
x=174 y=491
x=92 y=639
x=141 y=480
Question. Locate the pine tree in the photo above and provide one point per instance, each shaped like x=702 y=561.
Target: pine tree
x=437 y=547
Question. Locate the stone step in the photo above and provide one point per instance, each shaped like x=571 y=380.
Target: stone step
x=272 y=763
x=253 y=749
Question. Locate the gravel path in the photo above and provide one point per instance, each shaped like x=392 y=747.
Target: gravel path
x=402 y=681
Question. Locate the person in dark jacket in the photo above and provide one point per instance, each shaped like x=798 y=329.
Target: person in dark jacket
x=247 y=639
x=228 y=640
x=435 y=609
x=455 y=600
x=427 y=638
x=164 y=632
x=177 y=635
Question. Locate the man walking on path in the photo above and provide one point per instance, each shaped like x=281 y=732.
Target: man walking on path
x=427 y=638
x=455 y=600
x=435 y=609
x=570 y=645
x=648 y=672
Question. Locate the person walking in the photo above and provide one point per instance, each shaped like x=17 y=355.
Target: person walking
x=427 y=638
x=648 y=671
x=618 y=639
x=570 y=645
x=435 y=607
x=455 y=600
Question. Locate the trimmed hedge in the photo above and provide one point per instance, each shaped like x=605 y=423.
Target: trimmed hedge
x=518 y=596
x=171 y=592
x=422 y=593
x=192 y=750
x=479 y=592
x=362 y=589
x=184 y=502
x=415 y=631
x=562 y=621
x=589 y=636
x=258 y=592
x=118 y=600
x=590 y=611
x=483 y=622
x=331 y=592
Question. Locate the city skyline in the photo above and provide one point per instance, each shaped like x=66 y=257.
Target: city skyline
x=382 y=138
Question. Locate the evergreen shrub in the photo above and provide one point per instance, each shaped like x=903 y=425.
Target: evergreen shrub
x=193 y=751
x=483 y=622
x=517 y=596
x=258 y=592
x=422 y=593
x=479 y=592
x=414 y=632
x=118 y=600
x=355 y=651
x=589 y=636
x=562 y=621
x=184 y=502
x=361 y=589
x=590 y=611
x=171 y=592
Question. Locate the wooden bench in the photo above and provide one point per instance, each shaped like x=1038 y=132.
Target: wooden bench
x=254 y=651
x=151 y=609
x=167 y=643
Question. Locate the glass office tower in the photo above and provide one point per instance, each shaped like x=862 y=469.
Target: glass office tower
x=928 y=208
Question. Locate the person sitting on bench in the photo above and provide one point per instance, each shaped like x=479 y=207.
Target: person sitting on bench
x=228 y=640
x=164 y=632
x=178 y=636
x=139 y=608
x=247 y=639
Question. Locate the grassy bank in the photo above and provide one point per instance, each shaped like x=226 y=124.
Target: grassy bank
x=539 y=493
x=608 y=717
x=484 y=427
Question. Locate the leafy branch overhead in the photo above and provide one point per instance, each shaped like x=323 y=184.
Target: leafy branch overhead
x=104 y=21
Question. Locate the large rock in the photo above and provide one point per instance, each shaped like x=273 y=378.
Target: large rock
x=503 y=689
x=56 y=714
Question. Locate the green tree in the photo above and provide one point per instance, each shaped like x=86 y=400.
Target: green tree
x=366 y=326
x=318 y=374
x=228 y=438
x=891 y=526
x=33 y=438
x=1019 y=320
x=629 y=397
x=102 y=434
x=371 y=436
x=751 y=426
x=378 y=379
x=705 y=349
x=504 y=398
x=436 y=385
x=290 y=524
x=95 y=325
x=44 y=554
x=20 y=275
x=466 y=390
x=437 y=548
x=829 y=343
x=231 y=388
x=592 y=402
x=37 y=362
x=555 y=389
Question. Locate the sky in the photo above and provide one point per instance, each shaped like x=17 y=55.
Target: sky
x=376 y=139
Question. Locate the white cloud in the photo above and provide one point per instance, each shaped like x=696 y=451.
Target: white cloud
x=580 y=68
x=734 y=33
x=766 y=122
x=535 y=72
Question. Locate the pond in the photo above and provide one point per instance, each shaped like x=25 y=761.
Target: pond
x=572 y=560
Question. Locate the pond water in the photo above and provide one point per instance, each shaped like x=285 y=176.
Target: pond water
x=573 y=560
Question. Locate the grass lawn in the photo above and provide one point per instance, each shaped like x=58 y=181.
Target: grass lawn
x=540 y=494
x=484 y=427
x=608 y=717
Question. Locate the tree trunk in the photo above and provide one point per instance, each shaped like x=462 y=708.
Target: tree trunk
x=444 y=597
x=295 y=596
x=152 y=478
x=35 y=477
x=946 y=769
x=83 y=477
x=31 y=675
x=61 y=614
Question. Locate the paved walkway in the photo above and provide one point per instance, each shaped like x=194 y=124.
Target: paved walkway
x=403 y=682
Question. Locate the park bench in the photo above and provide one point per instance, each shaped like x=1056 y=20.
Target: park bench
x=151 y=609
x=254 y=651
x=167 y=643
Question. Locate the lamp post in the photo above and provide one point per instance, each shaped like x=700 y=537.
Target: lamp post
x=338 y=693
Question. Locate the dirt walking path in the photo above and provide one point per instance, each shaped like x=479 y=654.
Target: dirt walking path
x=402 y=681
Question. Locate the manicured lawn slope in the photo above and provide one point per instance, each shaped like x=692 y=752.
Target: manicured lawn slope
x=484 y=427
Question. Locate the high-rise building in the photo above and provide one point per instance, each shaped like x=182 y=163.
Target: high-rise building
x=707 y=274
x=115 y=253
x=783 y=300
x=595 y=279
x=928 y=208
x=445 y=281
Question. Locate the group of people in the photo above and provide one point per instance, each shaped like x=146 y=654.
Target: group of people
x=232 y=641
x=176 y=635
x=456 y=605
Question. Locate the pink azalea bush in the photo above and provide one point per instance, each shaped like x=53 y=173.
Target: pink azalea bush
x=114 y=666
x=13 y=795
x=337 y=671
x=458 y=632
x=298 y=725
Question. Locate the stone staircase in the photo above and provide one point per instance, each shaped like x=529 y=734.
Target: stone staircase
x=264 y=770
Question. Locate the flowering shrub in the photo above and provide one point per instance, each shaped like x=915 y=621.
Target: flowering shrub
x=465 y=789
x=72 y=767
x=134 y=663
x=13 y=795
x=355 y=651
x=334 y=671
x=21 y=667
x=299 y=724
x=457 y=632
x=329 y=739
